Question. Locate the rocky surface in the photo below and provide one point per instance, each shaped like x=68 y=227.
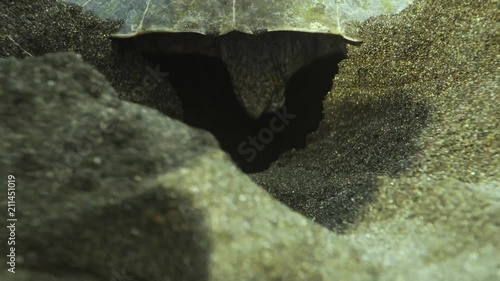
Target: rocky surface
x=412 y=114
x=402 y=175
x=31 y=28
x=135 y=193
x=66 y=167
x=417 y=98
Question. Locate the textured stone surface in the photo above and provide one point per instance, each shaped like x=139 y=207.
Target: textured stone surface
x=220 y=17
x=421 y=229
x=413 y=114
x=405 y=102
x=31 y=28
x=405 y=165
x=64 y=134
x=116 y=187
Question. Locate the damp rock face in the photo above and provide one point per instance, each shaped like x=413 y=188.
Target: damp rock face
x=114 y=189
x=402 y=173
x=260 y=66
x=66 y=158
x=411 y=133
x=51 y=26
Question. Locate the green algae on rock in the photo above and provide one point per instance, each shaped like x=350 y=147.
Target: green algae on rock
x=259 y=66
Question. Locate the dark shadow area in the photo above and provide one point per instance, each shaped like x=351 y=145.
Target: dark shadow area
x=204 y=87
x=326 y=173
x=177 y=247
x=335 y=176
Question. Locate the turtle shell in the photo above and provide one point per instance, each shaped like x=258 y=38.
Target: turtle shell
x=217 y=17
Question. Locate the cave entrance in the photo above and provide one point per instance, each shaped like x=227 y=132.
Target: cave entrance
x=204 y=87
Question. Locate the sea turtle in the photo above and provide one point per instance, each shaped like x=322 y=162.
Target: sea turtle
x=246 y=35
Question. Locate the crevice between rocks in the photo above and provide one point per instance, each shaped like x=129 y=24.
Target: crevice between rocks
x=204 y=87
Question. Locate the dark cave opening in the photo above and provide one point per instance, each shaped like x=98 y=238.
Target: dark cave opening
x=204 y=87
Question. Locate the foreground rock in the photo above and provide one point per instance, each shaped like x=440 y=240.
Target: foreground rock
x=80 y=157
x=412 y=123
x=405 y=164
x=108 y=187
